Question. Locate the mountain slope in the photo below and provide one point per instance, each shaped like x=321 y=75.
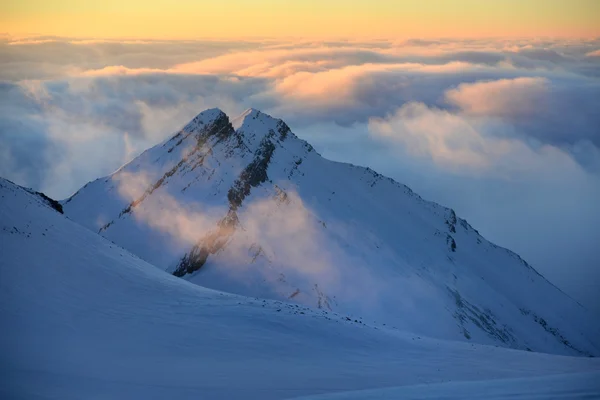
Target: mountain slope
x=245 y=206
x=84 y=318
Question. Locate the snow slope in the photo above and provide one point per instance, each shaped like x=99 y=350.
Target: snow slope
x=84 y=318
x=569 y=386
x=246 y=207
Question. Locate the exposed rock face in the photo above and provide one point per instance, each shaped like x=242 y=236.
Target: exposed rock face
x=51 y=202
x=253 y=175
x=245 y=206
x=210 y=244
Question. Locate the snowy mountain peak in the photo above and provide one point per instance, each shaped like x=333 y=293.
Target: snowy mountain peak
x=255 y=126
x=239 y=120
x=251 y=114
x=247 y=131
x=204 y=118
x=245 y=206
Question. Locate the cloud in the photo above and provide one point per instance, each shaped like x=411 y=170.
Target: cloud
x=455 y=119
x=56 y=58
x=551 y=112
x=30 y=41
x=595 y=53
x=184 y=223
x=121 y=70
x=450 y=141
x=504 y=98
x=278 y=246
x=145 y=89
x=465 y=144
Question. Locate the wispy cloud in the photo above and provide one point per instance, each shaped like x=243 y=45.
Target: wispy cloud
x=278 y=244
x=184 y=223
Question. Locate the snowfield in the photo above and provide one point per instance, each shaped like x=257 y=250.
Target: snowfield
x=571 y=386
x=84 y=318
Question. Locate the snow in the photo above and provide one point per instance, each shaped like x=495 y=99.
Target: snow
x=569 y=386
x=328 y=235
x=84 y=318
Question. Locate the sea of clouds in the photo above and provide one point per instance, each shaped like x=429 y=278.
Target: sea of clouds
x=507 y=132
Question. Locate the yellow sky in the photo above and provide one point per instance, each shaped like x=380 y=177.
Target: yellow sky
x=301 y=18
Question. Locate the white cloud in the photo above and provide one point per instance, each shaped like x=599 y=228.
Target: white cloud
x=467 y=144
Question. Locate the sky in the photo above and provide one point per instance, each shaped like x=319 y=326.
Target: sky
x=489 y=109
x=192 y=19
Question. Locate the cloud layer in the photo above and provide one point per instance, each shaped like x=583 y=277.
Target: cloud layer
x=505 y=131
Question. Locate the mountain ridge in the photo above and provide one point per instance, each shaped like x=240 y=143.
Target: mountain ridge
x=246 y=206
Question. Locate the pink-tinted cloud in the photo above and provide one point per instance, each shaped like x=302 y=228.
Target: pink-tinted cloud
x=120 y=70
x=500 y=98
x=595 y=53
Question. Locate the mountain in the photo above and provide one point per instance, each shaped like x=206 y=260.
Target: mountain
x=83 y=318
x=245 y=206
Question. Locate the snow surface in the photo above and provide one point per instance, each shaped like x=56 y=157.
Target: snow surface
x=83 y=318
x=570 y=386
x=269 y=217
